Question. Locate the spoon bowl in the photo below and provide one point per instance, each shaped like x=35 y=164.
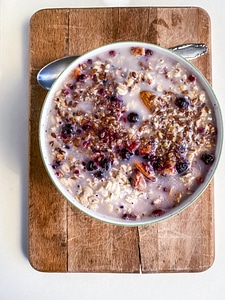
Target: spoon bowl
x=48 y=74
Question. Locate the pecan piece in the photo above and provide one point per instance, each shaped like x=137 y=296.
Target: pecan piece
x=138 y=51
x=145 y=170
x=147 y=98
x=138 y=181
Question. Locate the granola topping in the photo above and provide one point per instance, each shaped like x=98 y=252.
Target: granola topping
x=130 y=133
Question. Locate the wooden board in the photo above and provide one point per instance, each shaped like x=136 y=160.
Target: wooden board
x=63 y=239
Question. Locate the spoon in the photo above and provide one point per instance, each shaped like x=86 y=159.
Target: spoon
x=48 y=74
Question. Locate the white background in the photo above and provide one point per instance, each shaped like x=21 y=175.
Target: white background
x=17 y=278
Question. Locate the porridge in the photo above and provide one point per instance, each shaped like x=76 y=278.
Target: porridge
x=130 y=133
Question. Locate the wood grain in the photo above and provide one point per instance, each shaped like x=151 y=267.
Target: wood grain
x=63 y=239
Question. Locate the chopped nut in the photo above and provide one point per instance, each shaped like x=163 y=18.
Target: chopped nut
x=138 y=181
x=147 y=98
x=145 y=170
x=138 y=51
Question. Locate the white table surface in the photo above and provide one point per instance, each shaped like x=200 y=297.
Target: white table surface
x=18 y=280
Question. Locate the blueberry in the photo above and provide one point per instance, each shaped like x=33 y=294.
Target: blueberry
x=126 y=154
x=67 y=129
x=56 y=164
x=91 y=165
x=112 y=98
x=148 y=52
x=182 y=166
x=182 y=102
x=99 y=174
x=133 y=117
x=207 y=158
x=181 y=149
x=105 y=164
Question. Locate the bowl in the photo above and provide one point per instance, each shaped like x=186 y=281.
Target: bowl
x=131 y=133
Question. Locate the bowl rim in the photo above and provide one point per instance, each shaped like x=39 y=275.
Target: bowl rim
x=172 y=212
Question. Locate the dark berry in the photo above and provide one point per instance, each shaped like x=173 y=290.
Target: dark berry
x=147 y=156
x=78 y=131
x=116 y=101
x=67 y=147
x=182 y=166
x=101 y=91
x=207 y=158
x=105 y=163
x=67 y=129
x=133 y=117
x=148 y=52
x=70 y=86
x=129 y=216
x=112 y=53
x=99 y=174
x=137 y=152
x=112 y=98
x=86 y=126
x=156 y=162
x=81 y=77
x=191 y=78
x=91 y=165
x=126 y=154
x=201 y=130
x=56 y=164
x=182 y=102
x=181 y=149
x=157 y=213
x=89 y=61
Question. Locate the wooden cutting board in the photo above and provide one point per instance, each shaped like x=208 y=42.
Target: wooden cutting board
x=63 y=239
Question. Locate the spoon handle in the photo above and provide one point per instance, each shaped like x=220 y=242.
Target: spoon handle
x=190 y=51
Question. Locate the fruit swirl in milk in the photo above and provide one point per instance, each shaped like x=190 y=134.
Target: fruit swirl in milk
x=130 y=133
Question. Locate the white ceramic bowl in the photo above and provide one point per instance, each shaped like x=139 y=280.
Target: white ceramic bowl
x=45 y=114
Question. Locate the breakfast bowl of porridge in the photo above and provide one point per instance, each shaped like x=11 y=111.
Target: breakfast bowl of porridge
x=131 y=133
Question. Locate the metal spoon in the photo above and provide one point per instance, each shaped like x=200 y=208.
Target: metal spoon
x=48 y=74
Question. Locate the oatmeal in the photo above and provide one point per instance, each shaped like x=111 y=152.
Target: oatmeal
x=130 y=134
